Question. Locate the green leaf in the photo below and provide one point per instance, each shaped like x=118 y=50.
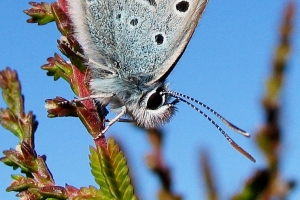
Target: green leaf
x=100 y=179
x=58 y=67
x=109 y=167
x=40 y=13
x=14 y=118
x=11 y=91
x=90 y=193
x=10 y=122
x=62 y=20
x=21 y=183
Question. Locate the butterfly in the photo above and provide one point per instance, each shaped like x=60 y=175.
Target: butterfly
x=132 y=46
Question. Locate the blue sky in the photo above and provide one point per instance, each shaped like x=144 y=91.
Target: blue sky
x=225 y=66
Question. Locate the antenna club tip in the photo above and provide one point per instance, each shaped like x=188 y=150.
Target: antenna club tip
x=251 y=158
x=247 y=134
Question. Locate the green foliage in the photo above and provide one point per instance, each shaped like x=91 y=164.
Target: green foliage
x=40 y=12
x=111 y=172
x=108 y=163
x=13 y=118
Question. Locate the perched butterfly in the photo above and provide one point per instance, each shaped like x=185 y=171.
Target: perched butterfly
x=132 y=46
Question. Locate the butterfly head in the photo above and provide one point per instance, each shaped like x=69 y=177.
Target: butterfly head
x=154 y=108
x=148 y=106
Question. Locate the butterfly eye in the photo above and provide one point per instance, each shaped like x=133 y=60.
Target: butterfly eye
x=155 y=100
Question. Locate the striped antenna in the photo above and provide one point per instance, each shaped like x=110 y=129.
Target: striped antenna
x=180 y=97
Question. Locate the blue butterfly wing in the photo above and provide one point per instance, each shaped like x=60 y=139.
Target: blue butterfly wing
x=136 y=37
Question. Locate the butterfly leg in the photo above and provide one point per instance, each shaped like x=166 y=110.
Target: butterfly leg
x=122 y=120
x=75 y=100
x=111 y=122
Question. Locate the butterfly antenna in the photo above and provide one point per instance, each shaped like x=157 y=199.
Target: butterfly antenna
x=225 y=121
x=229 y=139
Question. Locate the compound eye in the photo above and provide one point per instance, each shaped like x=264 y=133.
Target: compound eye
x=155 y=100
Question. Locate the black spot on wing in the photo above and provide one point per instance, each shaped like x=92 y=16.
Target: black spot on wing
x=134 y=22
x=182 y=6
x=159 y=39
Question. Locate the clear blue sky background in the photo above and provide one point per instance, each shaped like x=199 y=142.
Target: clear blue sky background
x=225 y=66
